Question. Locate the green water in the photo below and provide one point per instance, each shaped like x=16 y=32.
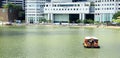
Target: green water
x=57 y=42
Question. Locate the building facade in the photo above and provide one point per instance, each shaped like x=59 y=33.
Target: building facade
x=34 y=10
x=105 y=9
x=70 y=10
x=66 y=12
x=16 y=2
x=97 y=10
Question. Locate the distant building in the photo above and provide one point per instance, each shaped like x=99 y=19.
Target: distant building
x=71 y=10
x=66 y=12
x=9 y=15
x=97 y=10
x=34 y=10
x=16 y=2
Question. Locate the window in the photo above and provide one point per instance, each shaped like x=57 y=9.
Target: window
x=113 y=4
x=77 y=9
x=59 y=9
x=68 y=9
x=119 y=8
x=74 y=8
x=46 y=5
x=112 y=8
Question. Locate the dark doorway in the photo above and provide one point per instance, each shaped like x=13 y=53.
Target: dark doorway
x=89 y=16
x=31 y=22
x=73 y=18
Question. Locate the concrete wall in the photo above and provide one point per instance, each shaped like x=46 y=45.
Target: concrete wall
x=3 y=15
x=8 y=16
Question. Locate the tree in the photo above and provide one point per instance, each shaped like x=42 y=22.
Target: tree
x=116 y=21
x=88 y=21
x=15 y=9
x=42 y=20
x=78 y=21
x=116 y=15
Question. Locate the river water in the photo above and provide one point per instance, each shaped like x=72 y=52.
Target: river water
x=57 y=42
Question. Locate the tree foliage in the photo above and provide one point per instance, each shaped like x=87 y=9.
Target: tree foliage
x=116 y=21
x=88 y=21
x=116 y=15
x=17 y=9
x=12 y=6
x=78 y=21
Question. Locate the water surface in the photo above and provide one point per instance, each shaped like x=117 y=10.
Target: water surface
x=57 y=42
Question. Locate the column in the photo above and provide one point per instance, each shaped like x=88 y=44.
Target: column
x=35 y=19
x=80 y=17
x=100 y=17
x=83 y=16
x=27 y=20
x=48 y=17
x=51 y=18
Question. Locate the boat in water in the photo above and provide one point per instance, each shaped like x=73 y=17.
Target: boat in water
x=91 y=42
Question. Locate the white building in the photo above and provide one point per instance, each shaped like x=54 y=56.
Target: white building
x=58 y=12
x=105 y=9
x=69 y=10
x=34 y=10
x=98 y=10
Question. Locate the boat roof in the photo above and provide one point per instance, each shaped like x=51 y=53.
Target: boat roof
x=90 y=37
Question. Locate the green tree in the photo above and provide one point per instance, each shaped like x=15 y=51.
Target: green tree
x=42 y=20
x=16 y=9
x=116 y=15
x=78 y=21
x=88 y=21
x=116 y=21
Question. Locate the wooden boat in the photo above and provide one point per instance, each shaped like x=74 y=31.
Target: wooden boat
x=91 y=42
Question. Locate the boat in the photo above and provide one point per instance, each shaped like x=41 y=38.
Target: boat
x=91 y=42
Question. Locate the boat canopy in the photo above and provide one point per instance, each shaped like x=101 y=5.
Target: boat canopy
x=90 y=37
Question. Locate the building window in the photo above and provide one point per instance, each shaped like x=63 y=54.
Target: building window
x=113 y=4
x=74 y=8
x=67 y=9
x=77 y=9
x=112 y=8
x=59 y=9
x=119 y=8
x=46 y=5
